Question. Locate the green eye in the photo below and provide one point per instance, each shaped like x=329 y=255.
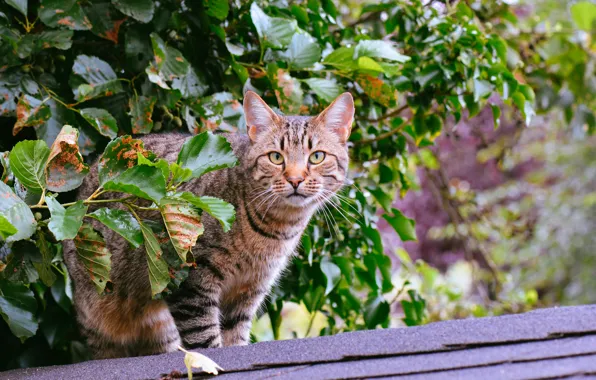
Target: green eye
x=276 y=158
x=316 y=157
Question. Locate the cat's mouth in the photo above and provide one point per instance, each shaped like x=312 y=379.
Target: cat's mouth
x=296 y=194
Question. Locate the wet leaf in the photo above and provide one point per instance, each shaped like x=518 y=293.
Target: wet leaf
x=405 y=227
x=158 y=269
x=121 y=222
x=143 y=181
x=217 y=8
x=287 y=90
x=119 y=155
x=31 y=112
x=303 y=51
x=65 y=222
x=65 y=170
x=206 y=152
x=18 y=307
x=183 y=223
x=101 y=120
x=217 y=208
x=64 y=13
x=17 y=213
x=140 y=10
x=275 y=32
x=27 y=161
x=141 y=112
x=91 y=78
x=94 y=255
x=379 y=49
x=326 y=89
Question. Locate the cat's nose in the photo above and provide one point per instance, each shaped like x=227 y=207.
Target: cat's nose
x=295 y=181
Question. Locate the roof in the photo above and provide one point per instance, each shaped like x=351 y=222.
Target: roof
x=546 y=343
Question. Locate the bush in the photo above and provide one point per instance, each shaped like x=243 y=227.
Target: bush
x=111 y=69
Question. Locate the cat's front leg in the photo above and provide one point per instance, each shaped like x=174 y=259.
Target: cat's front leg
x=237 y=315
x=195 y=308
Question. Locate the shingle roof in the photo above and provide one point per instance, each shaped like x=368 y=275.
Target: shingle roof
x=546 y=343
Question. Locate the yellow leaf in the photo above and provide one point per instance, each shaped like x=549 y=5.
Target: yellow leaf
x=196 y=360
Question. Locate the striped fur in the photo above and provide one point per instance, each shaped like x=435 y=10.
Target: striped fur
x=235 y=270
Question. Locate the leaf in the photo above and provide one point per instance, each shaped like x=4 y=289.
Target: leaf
x=496 y=115
x=68 y=13
x=91 y=78
x=18 y=307
x=65 y=223
x=217 y=8
x=141 y=111
x=121 y=222
x=275 y=32
x=379 y=49
x=217 y=208
x=376 y=311
x=332 y=274
x=27 y=162
x=196 y=360
x=142 y=181
x=140 y=10
x=160 y=163
x=342 y=59
x=105 y=20
x=167 y=65
x=377 y=89
x=205 y=153
x=120 y=155
x=158 y=269
x=43 y=264
x=17 y=213
x=19 y=5
x=326 y=89
x=34 y=43
x=381 y=197
x=18 y=263
x=12 y=86
x=31 y=112
x=183 y=223
x=94 y=255
x=65 y=169
x=6 y=228
x=405 y=227
x=101 y=120
x=287 y=90
x=583 y=15
x=482 y=88
x=304 y=51
x=369 y=64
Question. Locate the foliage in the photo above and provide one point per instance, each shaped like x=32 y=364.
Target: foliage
x=132 y=67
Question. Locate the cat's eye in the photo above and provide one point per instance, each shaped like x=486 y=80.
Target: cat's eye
x=316 y=157
x=276 y=158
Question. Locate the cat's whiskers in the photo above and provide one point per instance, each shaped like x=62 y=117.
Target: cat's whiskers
x=329 y=197
x=329 y=219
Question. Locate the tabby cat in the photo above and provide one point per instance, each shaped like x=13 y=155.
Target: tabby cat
x=288 y=167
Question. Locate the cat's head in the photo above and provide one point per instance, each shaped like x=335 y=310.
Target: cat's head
x=298 y=160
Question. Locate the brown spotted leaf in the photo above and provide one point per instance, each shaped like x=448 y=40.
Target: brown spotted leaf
x=92 y=78
x=31 y=112
x=65 y=169
x=159 y=276
x=120 y=155
x=101 y=120
x=287 y=90
x=183 y=222
x=141 y=111
x=167 y=65
x=64 y=13
x=94 y=255
x=377 y=89
x=105 y=19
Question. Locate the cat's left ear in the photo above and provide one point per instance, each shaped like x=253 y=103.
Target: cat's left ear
x=339 y=116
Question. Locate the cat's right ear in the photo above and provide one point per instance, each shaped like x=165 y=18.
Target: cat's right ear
x=259 y=117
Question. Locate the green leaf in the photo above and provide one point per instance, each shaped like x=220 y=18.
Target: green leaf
x=19 y=5
x=65 y=223
x=18 y=263
x=369 y=64
x=27 y=162
x=120 y=155
x=158 y=269
x=160 y=163
x=381 y=197
x=18 y=307
x=304 y=51
x=142 y=181
x=34 y=43
x=217 y=208
x=94 y=255
x=17 y=213
x=183 y=223
x=65 y=169
x=167 y=65
x=379 y=49
x=326 y=89
x=121 y=222
x=583 y=15
x=6 y=228
x=405 y=227
x=105 y=20
x=92 y=78
x=275 y=32
x=217 y=8
x=205 y=153
x=180 y=174
x=140 y=10
x=287 y=89
x=190 y=85
x=332 y=274
x=43 y=264
x=31 y=112
x=496 y=115
x=376 y=311
x=342 y=59
x=101 y=120
x=141 y=112
x=60 y=13
x=482 y=89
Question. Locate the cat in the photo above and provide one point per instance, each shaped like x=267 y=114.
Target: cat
x=288 y=167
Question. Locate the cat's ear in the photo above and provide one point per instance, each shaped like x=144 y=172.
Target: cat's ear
x=339 y=116
x=259 y=117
